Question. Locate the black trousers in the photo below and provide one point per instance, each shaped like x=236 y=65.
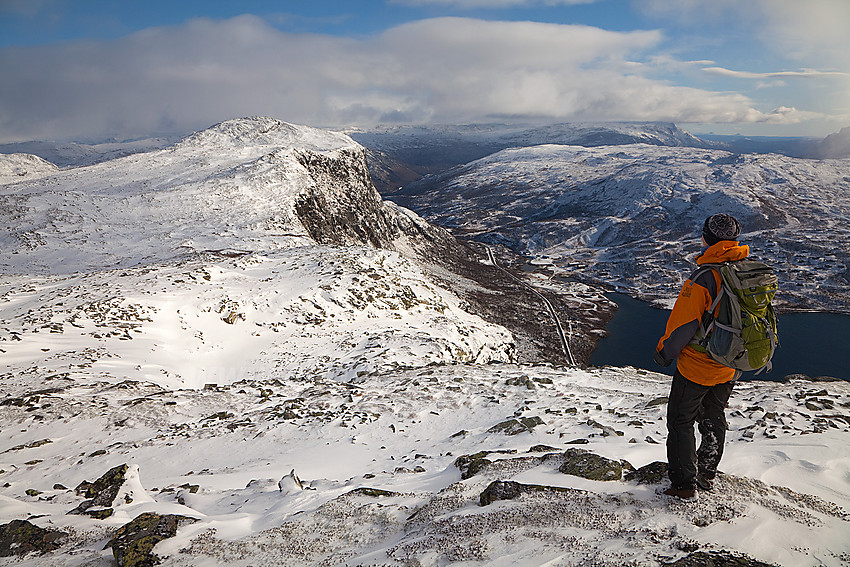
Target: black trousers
x=704 y=405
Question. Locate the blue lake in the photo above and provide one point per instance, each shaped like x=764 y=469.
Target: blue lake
x=815 y=344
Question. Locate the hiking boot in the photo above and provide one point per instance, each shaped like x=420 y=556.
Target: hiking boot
x=705 y=483
x=681 y=493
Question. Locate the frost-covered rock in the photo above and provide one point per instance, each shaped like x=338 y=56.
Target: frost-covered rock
x=290 y=483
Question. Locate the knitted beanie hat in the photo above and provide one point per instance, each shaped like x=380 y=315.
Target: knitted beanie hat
x=720 y=227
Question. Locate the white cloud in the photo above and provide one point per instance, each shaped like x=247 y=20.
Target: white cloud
x=801 y=74
x=443 y=70
x=813 y=31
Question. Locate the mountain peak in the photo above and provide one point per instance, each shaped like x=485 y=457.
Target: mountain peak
x=15 y=167
x=264 y=131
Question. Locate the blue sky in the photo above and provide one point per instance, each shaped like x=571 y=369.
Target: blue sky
x=90 y=69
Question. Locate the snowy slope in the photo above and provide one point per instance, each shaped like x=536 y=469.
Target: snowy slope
x=218 y=314
x=246 y=248
x=76 y=154
x=380 y=478
x=244 y=184
x=401 y=154
x=15 y=167
x=306 y=311
x=630 y=215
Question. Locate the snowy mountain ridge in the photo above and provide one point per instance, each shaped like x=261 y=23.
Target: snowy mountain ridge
x=628 y=216
x=14 y=167
x=243 y=185
x=254 y=237
x=230 y=351
x=399 y=155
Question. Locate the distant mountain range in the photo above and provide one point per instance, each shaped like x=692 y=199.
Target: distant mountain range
x=399 y=155
x=230 y=350
x=629 y=216
x=263 y=188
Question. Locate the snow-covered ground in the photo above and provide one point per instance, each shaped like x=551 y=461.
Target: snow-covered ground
x=223 y=455
x=630 y=215
x=332 y=403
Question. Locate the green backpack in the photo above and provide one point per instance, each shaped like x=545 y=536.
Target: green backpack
x=740 y=328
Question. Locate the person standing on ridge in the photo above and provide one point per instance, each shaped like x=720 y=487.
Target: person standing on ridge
x=701 y=387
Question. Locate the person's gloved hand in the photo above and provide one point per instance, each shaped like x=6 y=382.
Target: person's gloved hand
x=661 y=361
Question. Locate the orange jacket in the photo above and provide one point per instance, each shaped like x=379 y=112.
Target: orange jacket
x=694 y=300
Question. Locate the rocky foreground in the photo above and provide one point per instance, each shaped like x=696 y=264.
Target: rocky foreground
x=495 y=465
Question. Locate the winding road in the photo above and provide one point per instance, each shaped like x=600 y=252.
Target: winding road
x=565 y=345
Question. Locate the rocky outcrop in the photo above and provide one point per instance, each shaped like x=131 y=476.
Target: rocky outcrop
x=717 y=559
x=342 y=206
x=653 y=473
x=132 y=545
x=510 y=490
x=100 y=494
x=585 y=464
x=515 y=426
x=20 y=537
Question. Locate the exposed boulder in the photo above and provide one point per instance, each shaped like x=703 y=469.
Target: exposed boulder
x=19 y=537
x=510 y=490
x=132 y=545
x=469 y=465
x=516 y=426
x=373 y=492
x=653 y=473
x=718 y=559
x=100 y=493
x=585 y=464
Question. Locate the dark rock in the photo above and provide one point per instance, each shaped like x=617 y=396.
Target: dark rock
x=500 y=490
x=542 y=449
x=653 y=473
x=607 y=430
x=102 y=492
x=99 y=514
x=585 y=464
x=373 y=492
x=657 y=401
x=470 y=465
x=510 y=490
x=521 y=381
x=19 y=537
x=133 y=543
x=516 y=426
x=30 y=445
x=717 y=559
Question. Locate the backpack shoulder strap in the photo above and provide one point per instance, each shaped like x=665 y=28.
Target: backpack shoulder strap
x=705 y=268
x=708 y=320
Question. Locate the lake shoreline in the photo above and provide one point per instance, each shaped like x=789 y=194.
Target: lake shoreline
x=808 y=342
